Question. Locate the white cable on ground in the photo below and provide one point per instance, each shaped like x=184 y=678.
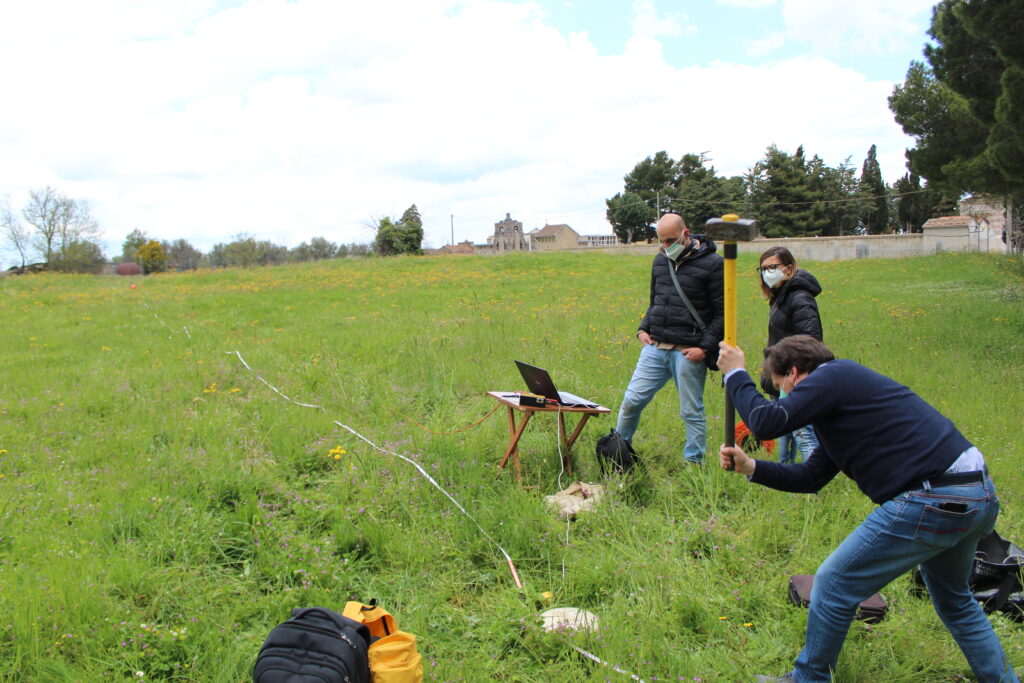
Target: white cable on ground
x=508 y=558
x=611 y=666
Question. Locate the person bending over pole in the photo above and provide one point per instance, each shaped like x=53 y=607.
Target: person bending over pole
x=934 y=496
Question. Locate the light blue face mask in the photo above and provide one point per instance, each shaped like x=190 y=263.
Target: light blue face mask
x=674 y=250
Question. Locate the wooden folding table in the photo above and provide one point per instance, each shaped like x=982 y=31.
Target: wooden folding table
x=511 y=401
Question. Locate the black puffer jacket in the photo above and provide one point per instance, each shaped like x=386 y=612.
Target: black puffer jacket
x=700 y=275
x=794 y=310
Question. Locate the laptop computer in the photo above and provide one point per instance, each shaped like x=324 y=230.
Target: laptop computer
x=539 y=382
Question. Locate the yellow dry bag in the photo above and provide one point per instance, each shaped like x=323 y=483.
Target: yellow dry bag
x=393 y=655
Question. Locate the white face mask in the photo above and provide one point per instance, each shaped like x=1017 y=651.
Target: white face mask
x=674 y=250
x=772 y=278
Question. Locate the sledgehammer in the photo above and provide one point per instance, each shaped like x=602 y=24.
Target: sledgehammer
x=730 y=229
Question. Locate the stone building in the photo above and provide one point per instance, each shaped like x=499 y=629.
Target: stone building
x=508 y=236
x=554 y=237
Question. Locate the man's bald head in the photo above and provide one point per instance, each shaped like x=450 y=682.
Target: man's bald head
x=671 y=229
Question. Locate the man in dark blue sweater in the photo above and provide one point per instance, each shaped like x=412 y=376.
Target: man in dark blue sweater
x=934 y=494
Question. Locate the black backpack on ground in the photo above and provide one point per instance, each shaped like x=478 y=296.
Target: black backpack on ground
x=316 y=645
x=995 y=577
x=615 y=453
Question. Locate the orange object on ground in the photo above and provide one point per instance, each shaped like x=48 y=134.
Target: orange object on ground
x=746 y=440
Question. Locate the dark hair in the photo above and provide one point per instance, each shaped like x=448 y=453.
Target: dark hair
x=787 y=259
x=800 y=350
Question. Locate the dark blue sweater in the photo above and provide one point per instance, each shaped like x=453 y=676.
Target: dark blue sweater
x=872 y=429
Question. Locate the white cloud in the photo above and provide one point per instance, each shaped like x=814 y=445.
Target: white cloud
x=647 y=23
x=764 y=46
x=843 y=28
x=747 y=3
x=288 y=120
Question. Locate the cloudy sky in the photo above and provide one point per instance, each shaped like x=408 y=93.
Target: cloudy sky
x=286 y=120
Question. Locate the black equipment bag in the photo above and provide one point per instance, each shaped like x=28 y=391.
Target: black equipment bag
x=615 y=453
x=316 y=645
x=870 y=611
x=995 y=577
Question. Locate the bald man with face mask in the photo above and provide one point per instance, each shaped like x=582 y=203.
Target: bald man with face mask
x=679 y=333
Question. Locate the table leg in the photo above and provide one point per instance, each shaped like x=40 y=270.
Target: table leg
x=572 y=439
x=514 y=434
x=566 y=444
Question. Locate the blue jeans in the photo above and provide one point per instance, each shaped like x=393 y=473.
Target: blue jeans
x=786 y=447
x=804 y=437
x=906 y=531
x=655 y=368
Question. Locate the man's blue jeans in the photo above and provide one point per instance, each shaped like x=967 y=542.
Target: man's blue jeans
x=906 y=531
x=655 y=368
x=804 y=437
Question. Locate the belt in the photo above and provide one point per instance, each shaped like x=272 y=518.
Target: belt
x=955 y=478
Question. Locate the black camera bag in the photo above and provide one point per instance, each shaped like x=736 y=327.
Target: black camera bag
x=316 y=645
x=615 y=453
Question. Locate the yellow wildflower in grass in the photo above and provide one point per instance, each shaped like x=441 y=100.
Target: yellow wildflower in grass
x=2 y=451
x=749 y=624
x=104 y=348
x=723 y=618
x=235 y=390
x=336 y=452
x=212 y=389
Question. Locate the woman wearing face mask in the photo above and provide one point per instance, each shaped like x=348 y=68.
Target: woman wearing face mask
x=790 y=292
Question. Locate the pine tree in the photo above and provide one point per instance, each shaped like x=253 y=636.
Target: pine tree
x=785 y=201
x=875 y=208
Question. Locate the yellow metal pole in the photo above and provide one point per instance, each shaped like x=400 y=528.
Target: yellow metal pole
x=729 y=304
x=730 y=295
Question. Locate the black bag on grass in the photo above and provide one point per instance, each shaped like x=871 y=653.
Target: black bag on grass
x=615 y=453
x=996 y=577
x=871 y=611
x=316 y=645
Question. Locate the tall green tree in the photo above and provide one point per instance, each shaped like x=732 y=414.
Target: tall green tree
x=966 y=109
x=135 y=239
x=386 y=239
x=654 y=180
x=914 y=203
x=699 y=194
x=182 y=255
x=837 y=189
x=783 y=196
x=872 y=189
x=632 y=219
x=411 y=231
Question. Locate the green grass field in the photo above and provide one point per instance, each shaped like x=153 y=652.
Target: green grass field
x=161 y=508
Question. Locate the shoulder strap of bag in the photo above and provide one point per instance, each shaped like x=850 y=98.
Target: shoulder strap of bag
x=686 y=300
x=377 y=619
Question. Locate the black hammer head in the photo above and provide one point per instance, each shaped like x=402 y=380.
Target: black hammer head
x=731 y=228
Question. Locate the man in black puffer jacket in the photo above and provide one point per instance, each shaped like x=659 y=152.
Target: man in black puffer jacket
x=677 y=341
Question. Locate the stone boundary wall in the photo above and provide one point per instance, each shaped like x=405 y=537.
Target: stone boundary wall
x=835 y=248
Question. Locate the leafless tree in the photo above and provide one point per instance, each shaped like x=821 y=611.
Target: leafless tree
x=59 y=221
x=13 y=231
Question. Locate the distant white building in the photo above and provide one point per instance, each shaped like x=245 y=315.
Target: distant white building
x=600 y=241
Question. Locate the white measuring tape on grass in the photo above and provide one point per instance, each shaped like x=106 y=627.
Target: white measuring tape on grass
x=426 y=475
x=508 y=558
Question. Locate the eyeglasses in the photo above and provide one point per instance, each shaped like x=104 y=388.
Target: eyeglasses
x=770 y=269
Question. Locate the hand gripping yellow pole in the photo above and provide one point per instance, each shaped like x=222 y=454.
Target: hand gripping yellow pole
x=730 y=228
